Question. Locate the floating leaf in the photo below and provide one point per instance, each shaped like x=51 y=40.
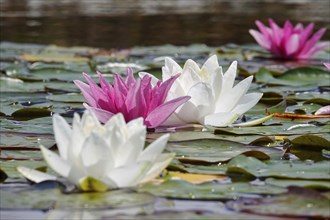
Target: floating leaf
x=215 y=151
x=179 y=189
x=299 y=202
x=54 y=199
x=311 y=141
x=279 y=168
x=317 y=184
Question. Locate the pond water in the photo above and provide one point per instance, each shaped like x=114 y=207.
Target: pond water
x=122 y=24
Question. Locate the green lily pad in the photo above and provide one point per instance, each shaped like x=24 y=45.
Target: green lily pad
x=9 y=166
x=317 y=184
x=30 y=113
x=67 y=98
x=258 y=140
x=216 y=151
x=299 y=202
x=279 y=168
x=178 y=189
x=295 y=77
x=54 y=199
x=311 y=141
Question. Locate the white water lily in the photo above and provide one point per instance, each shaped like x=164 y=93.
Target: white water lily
x=214 y=99
x=111 y=155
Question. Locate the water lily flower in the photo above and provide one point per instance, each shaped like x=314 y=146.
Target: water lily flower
x=325 y=110
x=327 y=65
x=214 y=99
x=132 y=97
x=97 y=157
x=289 y=42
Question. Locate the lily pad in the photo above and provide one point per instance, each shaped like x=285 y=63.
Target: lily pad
x=317 y=184
x=216 y=151
x=299 y=202
x=179 y=189
x=279 y=168
x=54 y=199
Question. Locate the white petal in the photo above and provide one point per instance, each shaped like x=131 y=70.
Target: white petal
x=128 y=152
x=188 y=113
x=154 y=149
x=232 y=97
x=158 y=166
x=35 y=175
x=247 y=102
x=211 y=64
x=62 y=133
x=200 y=104
x=58 y=164
x=229 y=76
x=216 y=82
x=96 y=156
x=89 y=122
x=77 y=139
x=128 y=176
x=190 y=75
x=192 y=65
x=221 y=119
x=173 y=120
x=171 y=68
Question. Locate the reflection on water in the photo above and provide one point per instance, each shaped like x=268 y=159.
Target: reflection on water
x=126 y=23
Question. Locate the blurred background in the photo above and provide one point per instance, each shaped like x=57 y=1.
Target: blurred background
x=127 y=23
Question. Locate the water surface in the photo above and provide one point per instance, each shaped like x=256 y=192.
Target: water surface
x=118 y=24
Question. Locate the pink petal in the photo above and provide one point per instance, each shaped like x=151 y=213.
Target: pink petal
x=85 y=90
x=162 y=112
x=134 y=101
x=319 y=46
x=261 y=40
x=312 y=42
x=292 y=44
x=305 y=33
x=95 y=90
x=277 y=32
x=130 y=77
x=161 y=92
x=325 y=110
x=101 y=114
x=264 y=30
x=327 y=65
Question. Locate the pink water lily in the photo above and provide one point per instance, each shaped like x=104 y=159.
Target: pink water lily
x=327 y=65
x=132 y=97
x=289 y=42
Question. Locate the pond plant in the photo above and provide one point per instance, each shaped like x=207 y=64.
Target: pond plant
x=214 y=99
x=133 y=98
x=250 y=142
x=97 y=157
x=289 y=42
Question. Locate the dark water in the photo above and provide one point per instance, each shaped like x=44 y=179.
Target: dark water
x=126 y=23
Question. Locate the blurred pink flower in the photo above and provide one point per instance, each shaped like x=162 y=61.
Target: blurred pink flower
x=132 y=97
x=327 y=65
x=289 y=42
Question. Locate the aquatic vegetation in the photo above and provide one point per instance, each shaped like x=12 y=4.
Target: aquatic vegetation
x=254 y=164
x=289 y=42
x=96 y=157
x=214 y=98
x=325 y=110
x=132 y=97
x=327 y=65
